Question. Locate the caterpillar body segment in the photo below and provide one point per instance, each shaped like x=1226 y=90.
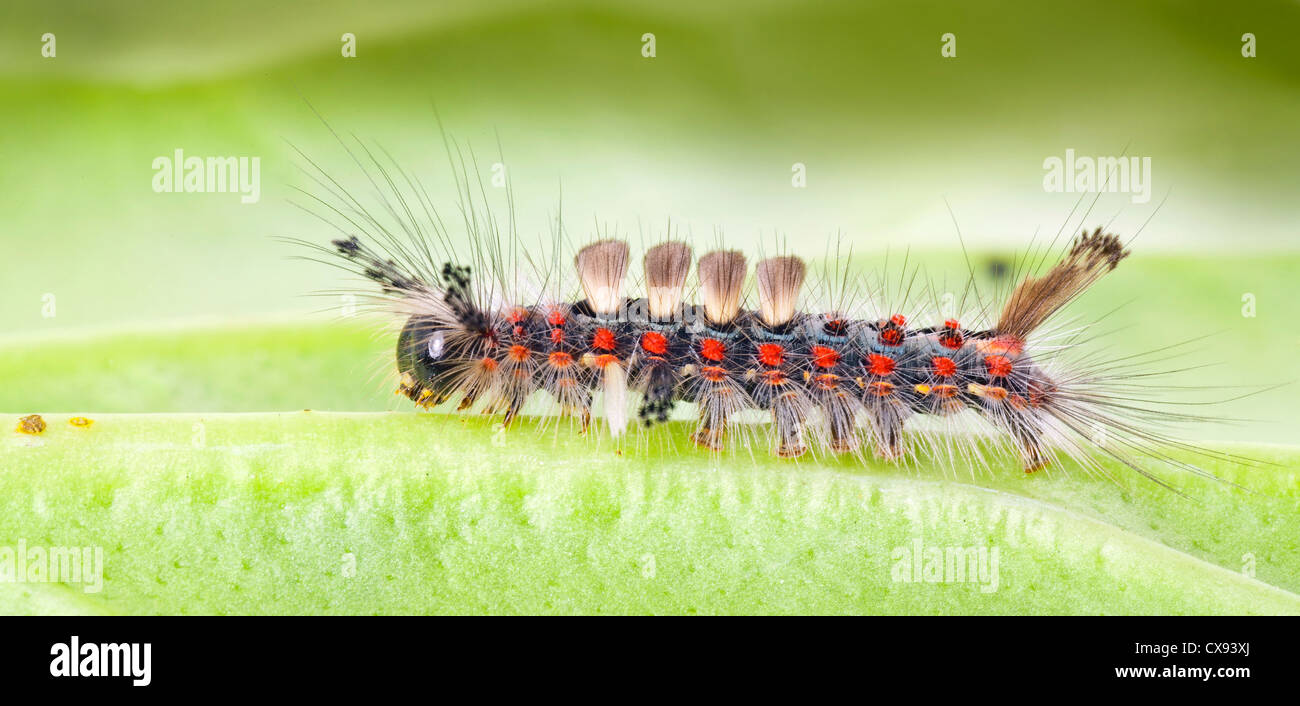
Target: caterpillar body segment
x=832 y=382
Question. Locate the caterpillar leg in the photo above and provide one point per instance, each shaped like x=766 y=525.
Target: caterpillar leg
x=1034 y=454
x=788 y=415
x=512 y=406
x=711 y=431
x=578 y=404
x=658 y=384
x=841 y=412
x=887 y=420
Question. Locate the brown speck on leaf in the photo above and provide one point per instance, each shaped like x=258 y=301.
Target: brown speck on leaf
x=31 y=424
x=81 y=421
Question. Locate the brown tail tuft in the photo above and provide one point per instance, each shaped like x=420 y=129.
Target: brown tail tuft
x=1036 y=299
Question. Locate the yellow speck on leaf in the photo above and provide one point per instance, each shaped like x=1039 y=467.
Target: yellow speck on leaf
x=31 y=424
x=81 y=421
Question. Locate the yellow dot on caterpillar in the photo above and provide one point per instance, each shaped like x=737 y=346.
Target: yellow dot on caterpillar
x=407 y=380
x=425 y=394
x=922 y=389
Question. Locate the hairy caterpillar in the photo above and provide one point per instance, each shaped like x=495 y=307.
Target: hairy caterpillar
x=488 y=324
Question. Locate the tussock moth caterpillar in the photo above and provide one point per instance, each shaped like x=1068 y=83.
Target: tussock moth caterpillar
x=489 y=323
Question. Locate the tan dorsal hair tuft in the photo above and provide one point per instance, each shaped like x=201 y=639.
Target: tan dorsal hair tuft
x=779 y=280
x=722 y=278
x=666 y=267
x=601 y=268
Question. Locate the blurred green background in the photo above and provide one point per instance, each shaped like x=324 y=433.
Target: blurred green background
x=187 y=302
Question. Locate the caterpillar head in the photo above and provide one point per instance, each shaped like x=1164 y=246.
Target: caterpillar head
x=425 y=361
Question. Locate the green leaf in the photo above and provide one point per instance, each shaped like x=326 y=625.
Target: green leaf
x=311 y=512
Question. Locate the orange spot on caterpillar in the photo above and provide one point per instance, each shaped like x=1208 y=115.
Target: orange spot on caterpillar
x=951 y=337
x=827 y=381
x=713 y=373
x=1002 y=345
x=489 y=363
x=891 y=336
x=606 y=359
x=518 y=315
x=771 y=354
x=654 y=342
x=557 y=336
x=555 y=318
x=880 y=365
x=560 y=359
x=947 y=392
x=712 y=349
x=992 y=392
x=603 y=340
x=943 y=367
x=824 y=357
x=774 y=377
x=519 y=353
x=998 y=366
x=898 y=320
x=881 y=389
